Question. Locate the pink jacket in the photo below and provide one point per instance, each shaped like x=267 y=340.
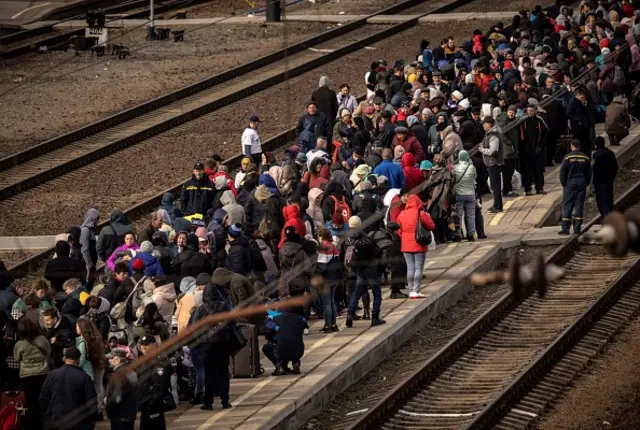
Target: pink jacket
x=111 y=261
x=635 y=53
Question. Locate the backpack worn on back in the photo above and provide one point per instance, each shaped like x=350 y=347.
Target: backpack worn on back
x=618 y=77
x=341 y=207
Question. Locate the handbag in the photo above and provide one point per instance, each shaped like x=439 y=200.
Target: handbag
x=237 y=339
x=119 y=309
x=423 y=236
x=169 y=403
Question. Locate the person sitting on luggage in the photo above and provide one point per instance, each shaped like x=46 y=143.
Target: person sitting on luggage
x=284 y=330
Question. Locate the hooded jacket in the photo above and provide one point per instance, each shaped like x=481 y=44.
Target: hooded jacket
x=187 y=303
x=214 y=301
x=412 y=174
x=314 y=210
x=617 y=121
x=294 y=264
x=152 y=267
x=291 y=214
x=88 y=238
x=451 y=144
x=464 y=176
x=191 y=262
x=111 y=261
x=165 y=298
x=167 y=204
x=408 y=220
x=235 y=212
x=112 y=235
x=392 y=172
x=239 y=287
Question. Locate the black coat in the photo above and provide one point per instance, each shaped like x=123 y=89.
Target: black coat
x=422 y=135
x=191 y=262
x=239 y=256
x=214 y=300
x=290 y=335
x=62 y=268
x=153 y=390
x=124 y=408
x=68 y=399
x=605 y=166
x=327 y=102
x=196 y=196
x=109 y=291
x=256 y=211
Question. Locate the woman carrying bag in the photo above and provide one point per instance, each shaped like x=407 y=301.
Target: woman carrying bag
x=413 y=220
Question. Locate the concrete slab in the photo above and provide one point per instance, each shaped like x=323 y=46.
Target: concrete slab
x=463 y=16
x=28 y=243
x=539 y=210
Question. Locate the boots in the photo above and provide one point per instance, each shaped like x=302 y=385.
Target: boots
x=279 y=371
x=577 y=226
x=349 y=322
x=566 y=227
x=376 y=320
x=366 y=315
x=197 y=399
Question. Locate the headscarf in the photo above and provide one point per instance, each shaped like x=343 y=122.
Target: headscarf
x=166 y=219
x=358 y=176
x=276 y=173
x=314 y=210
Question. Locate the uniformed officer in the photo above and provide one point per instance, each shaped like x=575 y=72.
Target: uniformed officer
x=153 y=390
x=575 y=176
x=122 y=397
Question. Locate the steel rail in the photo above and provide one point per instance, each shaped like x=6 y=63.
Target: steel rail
x=111 y=146
x=371 y=419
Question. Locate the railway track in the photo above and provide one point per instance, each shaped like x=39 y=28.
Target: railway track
x=23 y=42
x=63 y=154
x=504 y=369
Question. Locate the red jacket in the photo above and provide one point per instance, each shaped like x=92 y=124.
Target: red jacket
x=292 y=218
x=408 y=220
x=412 y=175
x=396 y=208
x=410 y=144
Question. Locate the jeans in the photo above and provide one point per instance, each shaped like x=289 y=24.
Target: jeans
x=330 y=309
x=415 y=266
x=495 y=178
x=367 y=276
x=351 y=289
x=466 y=205
x=198 y=365
x=270 y=350
x=604 y=198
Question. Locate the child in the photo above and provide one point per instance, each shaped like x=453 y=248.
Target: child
x=284 y=331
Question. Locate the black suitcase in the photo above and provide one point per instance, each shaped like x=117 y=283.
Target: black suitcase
x=246 y=363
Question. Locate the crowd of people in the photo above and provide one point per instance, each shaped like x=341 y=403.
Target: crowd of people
x=368 y=188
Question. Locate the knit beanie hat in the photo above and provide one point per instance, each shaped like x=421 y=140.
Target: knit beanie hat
x=146 y=246
x=235 y=230
x=337 y=219
x=463 y=155
x=426 y=165
x=355 y=222
x=137 y=265
x=412 y=119
x=201 y=232
x=203 y=279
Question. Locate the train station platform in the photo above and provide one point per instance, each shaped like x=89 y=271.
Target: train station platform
x=17 y=13
x=333 y=362
x=123 y=22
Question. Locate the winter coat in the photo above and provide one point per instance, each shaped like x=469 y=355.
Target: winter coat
x=617 y=120
x=88 y=238
x=314 y=210
x=412 y=175
x=239 y=258
x=492 y=148
x=393 y=173
x=294 y=263
x=101 y=318
x=411 y=144
x=239 y=287
x=326 y=101
x=214 y=301
x=451 y=144
x=62 y=268
x=152 y=267
x=67 y=389
x=197 y=196
x=292 y=218
x=191 y=262
x=510 y=137
x=467 y=134
x=269 y=260
x=235 y=212
x=165 y=298
x=187 y=303
x=124 y=408
x=167 y=205
x=328 y=204
x=408 y=220
x=262 y=203
x=635 y=53
x=465 y=183
x=32 y=356
x=309 y=128
x=84 y=362
x=112 y=235
x=607 y=74
x=111 y=260
x=605 y=167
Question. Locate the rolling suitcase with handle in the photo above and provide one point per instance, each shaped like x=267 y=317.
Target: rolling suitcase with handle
x=246 y=362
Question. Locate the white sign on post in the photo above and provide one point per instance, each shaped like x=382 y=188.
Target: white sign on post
x=97 y=33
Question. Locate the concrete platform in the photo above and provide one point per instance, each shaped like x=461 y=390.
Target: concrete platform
x=18 y=13
x=538 y=210
x=255 y=19
x=28 y=243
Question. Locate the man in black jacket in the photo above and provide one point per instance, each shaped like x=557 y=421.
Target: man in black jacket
x=146 y=234
x=119 y=275
x=192 y=262
x=533 y=132
x=197 y=194
x=326 y=101
x=122 y=399
x=605 y=169
x=62 y=268
x=239 y=257
x=153 y=390
x=59 y=331
x=68 y=398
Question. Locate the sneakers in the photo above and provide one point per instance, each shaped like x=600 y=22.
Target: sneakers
x=541 y=192
x=226 y=405
x=511 y=194
x=296 y=368
x=416 y=296
x=376 y=321
x=399 y=295
x=334 y=329
x=306 y=331
x=494 y=210
x=325 y=329
x=564 y=232
x=207 y=407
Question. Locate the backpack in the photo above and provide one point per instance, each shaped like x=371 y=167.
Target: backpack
x=364 y=250
x=12 y=416
x=349 y=261
x=10 y=335
x=618 y=77
x=257 y=259
x=341 y=207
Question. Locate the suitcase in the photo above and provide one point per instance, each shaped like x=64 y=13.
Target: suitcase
x=12 y=398
x=246 y=363
x=12 y=410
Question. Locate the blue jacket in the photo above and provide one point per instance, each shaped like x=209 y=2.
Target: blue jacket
x=392 y=171
x=152 y=266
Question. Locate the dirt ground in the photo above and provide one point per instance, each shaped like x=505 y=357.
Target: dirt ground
x=606 y=397
x=45 y=95
x=139 y=172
